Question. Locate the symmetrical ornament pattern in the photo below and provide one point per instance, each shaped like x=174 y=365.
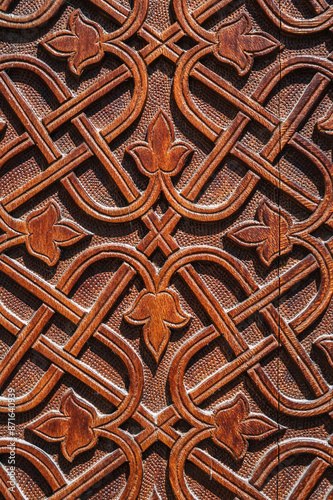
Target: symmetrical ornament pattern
x=166 y=268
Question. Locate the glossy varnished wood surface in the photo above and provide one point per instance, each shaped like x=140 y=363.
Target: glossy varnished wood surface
x=166 y=249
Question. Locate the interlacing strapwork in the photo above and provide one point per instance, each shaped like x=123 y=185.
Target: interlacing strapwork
x=166 y=249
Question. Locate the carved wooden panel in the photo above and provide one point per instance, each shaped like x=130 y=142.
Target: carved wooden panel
x=166 y=272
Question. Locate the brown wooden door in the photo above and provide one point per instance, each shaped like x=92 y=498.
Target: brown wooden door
x=166 y=249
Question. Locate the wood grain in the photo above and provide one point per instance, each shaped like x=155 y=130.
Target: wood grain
x=166 y=244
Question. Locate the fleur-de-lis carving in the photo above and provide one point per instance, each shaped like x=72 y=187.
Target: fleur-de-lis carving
x=238 y=45
x=160 y=152
x=270 y=235
x=46 y=231
x=158 y=312
x=73 y=426
x=235 y=425
x=81 y=44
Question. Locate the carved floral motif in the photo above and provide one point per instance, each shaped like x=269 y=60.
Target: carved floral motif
x=141 y=416
x=270 y=235
x=238 y=45
x=160 y=152
x=325 y=124
x=235 y=425
x=326 y=345
x=81 y=44
x=47 y=232
x=158 y=312
x=73 y=426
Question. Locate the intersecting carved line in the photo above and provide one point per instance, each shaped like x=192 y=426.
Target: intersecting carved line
x=28 y=119
x=160 y=232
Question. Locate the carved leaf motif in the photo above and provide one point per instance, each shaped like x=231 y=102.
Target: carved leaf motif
x=73 y=426
x=161 y=152
x=158 y=313
x=270 y=235
x=237 y=45
x=82 y=44
x=325 y=125
x=235 y=425
x=46 y=232
x=326 y=345
x=53 y=428
x=258 y=427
